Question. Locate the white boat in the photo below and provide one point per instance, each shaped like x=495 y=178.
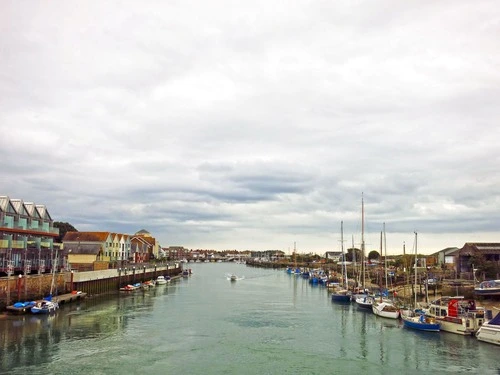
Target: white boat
x=233 y=278
x=490 y=331
x=44 y=307
x=161 y=280
x=385 y=309
x=365 y=301
x=488 y=288
x=457 y=314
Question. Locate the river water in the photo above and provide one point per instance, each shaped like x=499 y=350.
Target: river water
x=268 y=322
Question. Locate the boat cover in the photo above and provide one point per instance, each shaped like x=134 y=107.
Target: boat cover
x=495 y=320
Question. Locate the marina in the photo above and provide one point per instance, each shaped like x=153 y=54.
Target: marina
x=277 y=323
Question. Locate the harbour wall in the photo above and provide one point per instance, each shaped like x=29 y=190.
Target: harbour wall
x=33 y=287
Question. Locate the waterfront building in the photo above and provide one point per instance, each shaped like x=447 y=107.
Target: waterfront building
x=89 y=251
x=27 y=236
x=488 y=251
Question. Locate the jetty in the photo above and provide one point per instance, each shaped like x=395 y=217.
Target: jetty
x=25 y=308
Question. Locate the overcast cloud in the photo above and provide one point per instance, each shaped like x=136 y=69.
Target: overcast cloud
x=256 y=124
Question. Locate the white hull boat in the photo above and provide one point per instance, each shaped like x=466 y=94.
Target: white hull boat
x=385 y=309
x=490 y=331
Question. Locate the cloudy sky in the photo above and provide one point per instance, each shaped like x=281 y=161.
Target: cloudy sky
x=256 y=124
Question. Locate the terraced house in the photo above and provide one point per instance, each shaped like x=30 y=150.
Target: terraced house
x=88 y=251
x=27 y=236
x=102 y=250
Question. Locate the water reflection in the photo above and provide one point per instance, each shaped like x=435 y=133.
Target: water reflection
x=31 y=340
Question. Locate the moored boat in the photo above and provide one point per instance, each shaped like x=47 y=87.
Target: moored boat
x=490 y=331
x=130 y=287
x=488 y=288
x=161 y=280
x=44 y=307
x=364 y=301
x=421 y=323
x=385 y=309
x=21 y=307
x=457 y=314
x=342 y=296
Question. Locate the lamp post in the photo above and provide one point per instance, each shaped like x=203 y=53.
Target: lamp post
x=19 y=282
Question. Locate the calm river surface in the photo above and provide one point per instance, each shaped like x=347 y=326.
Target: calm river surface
x=267 y=323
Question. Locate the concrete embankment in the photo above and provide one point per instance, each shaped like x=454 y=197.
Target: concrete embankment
x=34 y=287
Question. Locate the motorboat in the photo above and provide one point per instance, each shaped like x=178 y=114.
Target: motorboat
x=488 y=288
x=148 y=284
x=130 y=287
x=233 y=277
x=161 y=280
x=490 y=331
x=457 y=314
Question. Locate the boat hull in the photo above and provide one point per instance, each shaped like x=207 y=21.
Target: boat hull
x=385 y=310
x=341 y=298
x=460 y=327
x=488 y=288
x=365 y=302
x=489 y=333
x=419 y=324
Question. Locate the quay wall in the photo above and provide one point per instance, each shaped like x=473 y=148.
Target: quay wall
x=33 y=287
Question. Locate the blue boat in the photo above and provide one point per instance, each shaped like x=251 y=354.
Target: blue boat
x=421 y=323
x=341 y=296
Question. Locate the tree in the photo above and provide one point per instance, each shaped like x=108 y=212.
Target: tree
x=353 y=253
x=374 y=254
x=63 y=228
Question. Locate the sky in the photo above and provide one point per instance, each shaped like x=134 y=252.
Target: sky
x=255 y=125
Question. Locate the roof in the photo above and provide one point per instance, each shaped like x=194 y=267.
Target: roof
x=86 y=236
x=447 y=251
x=83 y=248
x=480 y=247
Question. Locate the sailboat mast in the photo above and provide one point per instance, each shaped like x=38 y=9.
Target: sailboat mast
x=355 y=268
x=363 y=240
x=415 y=269
x=385 y=261
x=53 y=272
x=294 y=255
x=343 y=258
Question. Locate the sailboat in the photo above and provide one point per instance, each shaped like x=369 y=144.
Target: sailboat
x=362 y=291
x=342 y=295
x=47 y=306
x=384 y=307
x=420 y=322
